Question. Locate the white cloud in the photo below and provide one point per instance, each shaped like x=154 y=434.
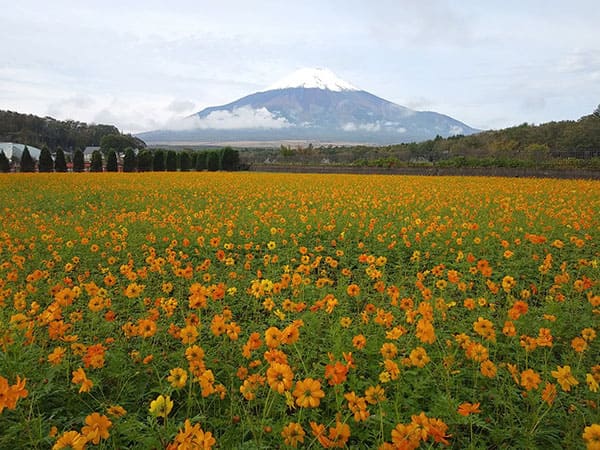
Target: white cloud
x=245 y=117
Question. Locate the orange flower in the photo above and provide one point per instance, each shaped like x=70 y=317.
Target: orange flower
x=359 y=341
x=279 y=377
x=488 y=369
x=94 y=356
x=549 y=393
x=336 y=373
x=72 y=440
x=308 y=393
x=79 y=377
x=293 y=434
x=579 y=344
x=338 y=436
x=529 y=379
x=56 y=356
x=193 y=437
x=591 y=436
x=485 y=329
x=425 y=331
x=418 y=357
x=9 y=395
x=466 y=409
x=188 y=334
x=96 y=428
x=353 y=290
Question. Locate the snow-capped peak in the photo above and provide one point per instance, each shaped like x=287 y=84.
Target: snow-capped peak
x=313 y=78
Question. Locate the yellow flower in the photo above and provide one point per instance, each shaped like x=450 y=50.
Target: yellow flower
x=177 y=377
x=564 y=377
x=161 y=407
x=591 y=382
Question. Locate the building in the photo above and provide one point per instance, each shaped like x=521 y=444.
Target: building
x=14 y=151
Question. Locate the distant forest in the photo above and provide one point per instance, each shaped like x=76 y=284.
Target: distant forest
x=553 y=144
x=38 y=132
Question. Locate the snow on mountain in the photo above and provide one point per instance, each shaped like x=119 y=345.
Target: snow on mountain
x=313 y=78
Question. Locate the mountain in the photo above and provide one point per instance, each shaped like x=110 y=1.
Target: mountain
x=311 y=105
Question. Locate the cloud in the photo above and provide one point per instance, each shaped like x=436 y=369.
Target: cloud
x=373 y=127
x=239 y=118
x=181 y=106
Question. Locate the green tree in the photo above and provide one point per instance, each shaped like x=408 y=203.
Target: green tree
x=184 y=161
x=60 y=163
x=45 y=164
x=96 y=164
x=201 y=161
x=27 y=162
x=78 y=161
x=171 y=162
x=230 y=159
x=112 y=164
x=4 y=162
x=129 y=160
x=212 y=161
x=119 y=142
x=158 y=161
x=145 y=159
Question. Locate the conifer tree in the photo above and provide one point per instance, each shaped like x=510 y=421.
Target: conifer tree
x=201 y=161
x=60 y=163
x=158 y=161
x=4 y=162
x=212 y=161
x=112 y=164
x=96 y=164
x=27 y=162
x=171 y=161
x=184 y=161
x=45 y=164
x=129 y=160
x=78 y=161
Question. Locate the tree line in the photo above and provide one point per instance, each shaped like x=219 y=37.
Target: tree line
x=130 y=160
x=572 y=143
x=69 y=135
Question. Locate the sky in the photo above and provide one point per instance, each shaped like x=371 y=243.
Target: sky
x=141 y=65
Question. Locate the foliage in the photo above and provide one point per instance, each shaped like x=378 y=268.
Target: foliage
x=229 y=159
x=212 y=161
x=185 y=162
x=112 y=165
x=4 y=162
x=40 y=131
x=96 y=162
x=171 y=161
x=119 y=142
x=45 y=163
x=201 y=158
x=60 y=163
x=78 y=161
x=129 y=160
x=145 y=161
x=158 y=161
x=27 y=162
x=249 y=310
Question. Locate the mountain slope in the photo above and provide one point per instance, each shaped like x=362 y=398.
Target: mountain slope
x=313 y=105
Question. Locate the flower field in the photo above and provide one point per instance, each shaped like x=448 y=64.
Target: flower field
x=248 y=310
